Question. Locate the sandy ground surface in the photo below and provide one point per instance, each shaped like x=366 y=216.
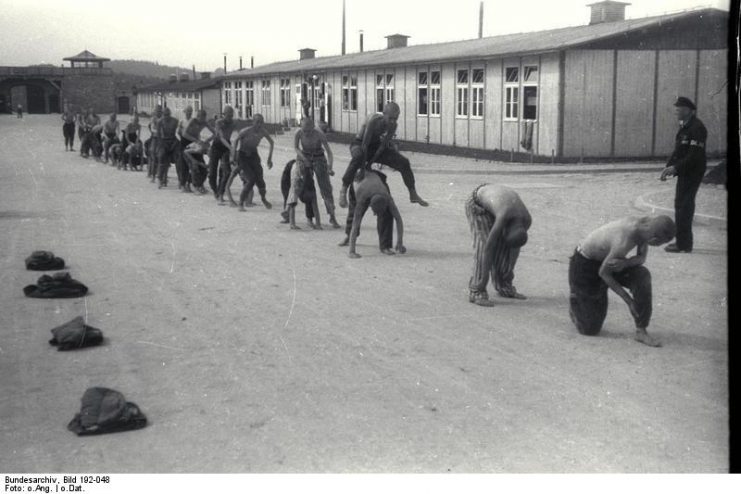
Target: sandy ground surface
x=252 y=348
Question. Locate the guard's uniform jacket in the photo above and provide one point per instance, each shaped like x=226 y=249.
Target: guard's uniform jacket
x=690 y=162
x=689 y=149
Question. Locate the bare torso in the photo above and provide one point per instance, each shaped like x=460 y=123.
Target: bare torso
x=615 y=239
x=504 y=203
x=168 y=127
x=311 y=141
x=251 y=137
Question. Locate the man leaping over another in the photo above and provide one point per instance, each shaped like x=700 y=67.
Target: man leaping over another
x=373 y=144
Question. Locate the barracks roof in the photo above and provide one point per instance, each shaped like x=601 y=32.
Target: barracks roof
x=495 y=46
x=181 y=86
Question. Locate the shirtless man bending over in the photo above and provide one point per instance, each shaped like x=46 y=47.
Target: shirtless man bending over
x=248 y=162
x=601 y=261
x=371 y=191
x=499 y=222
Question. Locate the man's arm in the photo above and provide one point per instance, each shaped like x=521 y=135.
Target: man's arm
x=618 y=265
x=495 y=235
x=399 y=227
x=330 y=156
x=605 y=272
x=296 y=147
x=237 y=145
x=694 y=153
x=233 y=174
x=266 y=135
x=360 y=208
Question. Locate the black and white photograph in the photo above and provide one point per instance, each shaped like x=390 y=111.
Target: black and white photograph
x=540 y=285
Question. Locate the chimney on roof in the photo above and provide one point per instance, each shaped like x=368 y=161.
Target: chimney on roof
x=205 y=75
x=607 y=11
x=184 y=77
x=397 y=41
x=173 y=78
x=361 y=41
x=306 y=53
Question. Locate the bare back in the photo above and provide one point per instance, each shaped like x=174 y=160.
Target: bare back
x=614 y=240
x=504 y=203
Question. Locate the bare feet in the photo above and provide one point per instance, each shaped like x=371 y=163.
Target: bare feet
x=414 y=197
x=267 y=204
x=345 y=242
x=643 y=337
x=511 y=292
x=333 y=222
x=480 y=298
x=353 y=255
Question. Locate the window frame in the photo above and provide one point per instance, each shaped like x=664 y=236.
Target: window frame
x=529 y=83
x=435 y=93
x=478 y=94
x=511 y=88
x=462 y=94
x=423 y=86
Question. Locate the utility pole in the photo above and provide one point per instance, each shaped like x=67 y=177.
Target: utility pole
x=343 y=27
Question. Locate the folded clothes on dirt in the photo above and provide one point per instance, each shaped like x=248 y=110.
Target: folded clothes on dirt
x=44 y=260
x=75 y=334
x=59 y=285
x=106 y=410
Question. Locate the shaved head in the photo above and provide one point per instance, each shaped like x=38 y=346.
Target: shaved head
x=662 y=229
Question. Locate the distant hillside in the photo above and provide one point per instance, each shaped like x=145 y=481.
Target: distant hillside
x=145 y=69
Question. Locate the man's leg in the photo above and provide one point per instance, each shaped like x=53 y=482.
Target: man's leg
x=588 y=298
x=165 y=157
x=356 y=162
x=684 y=210
x=325 y=187
x=214 y=156
x=480 y=223
x=285 y=187
x=225 y=169
x=348 y=221
x=399 y=163
x=260 y=182
x=503 y=270
x=385 y=228
x=152 y=160
x=637 y=280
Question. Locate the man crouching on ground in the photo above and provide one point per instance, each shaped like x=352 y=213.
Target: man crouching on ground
x=600 y=261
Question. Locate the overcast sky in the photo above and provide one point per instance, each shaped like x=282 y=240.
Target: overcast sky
x=200 y=32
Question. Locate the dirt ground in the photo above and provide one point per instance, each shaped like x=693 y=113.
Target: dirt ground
x=252 y=348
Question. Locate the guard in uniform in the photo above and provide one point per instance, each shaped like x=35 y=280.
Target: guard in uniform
x=688 y=164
